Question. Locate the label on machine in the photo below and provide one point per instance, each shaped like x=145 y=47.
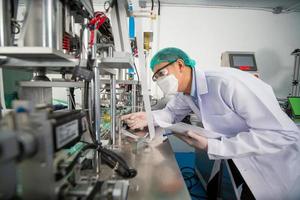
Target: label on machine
x=66 y=133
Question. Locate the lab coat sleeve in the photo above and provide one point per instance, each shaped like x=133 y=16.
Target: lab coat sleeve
x=269 y=130
x=175 y=110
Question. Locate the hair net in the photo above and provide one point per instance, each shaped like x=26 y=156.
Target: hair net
x=169 y=55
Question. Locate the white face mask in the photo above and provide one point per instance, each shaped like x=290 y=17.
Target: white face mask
x=168 y=84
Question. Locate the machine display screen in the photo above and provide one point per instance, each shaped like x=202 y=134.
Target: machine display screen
x=245 y=62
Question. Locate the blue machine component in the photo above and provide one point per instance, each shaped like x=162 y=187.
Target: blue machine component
x=131 y=24
x=131 y=71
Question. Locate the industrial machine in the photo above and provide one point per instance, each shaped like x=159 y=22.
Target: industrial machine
x=51 y=151
x=244 y=61
x=292 y=104
x=295 y=82
x=293 y=109
x=41 y=157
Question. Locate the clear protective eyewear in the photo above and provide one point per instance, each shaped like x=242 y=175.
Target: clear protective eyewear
x=162 y=72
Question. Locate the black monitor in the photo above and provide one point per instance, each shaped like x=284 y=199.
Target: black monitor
x=245 y=62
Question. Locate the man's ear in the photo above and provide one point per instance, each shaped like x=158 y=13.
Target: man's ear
x=181 y=64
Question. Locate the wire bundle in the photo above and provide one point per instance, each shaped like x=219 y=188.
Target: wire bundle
x=112 y=159
x=191 y=179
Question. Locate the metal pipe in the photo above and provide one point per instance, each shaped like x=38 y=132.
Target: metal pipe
x=298 y=70
x=58 y=25
x=133 y=97
x=113 y=108
x=120 y=125
x=110 y=52
x=97 y=102
x=92 y=103
x=294 y=77
x=295 y=89
x=5 y=23
x=97 y=112
x=69 y=99
x=121 y=74
x=98 y=163
x=48 y=23
x=85 y=42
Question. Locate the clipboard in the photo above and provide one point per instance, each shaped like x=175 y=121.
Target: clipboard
x=182 y=128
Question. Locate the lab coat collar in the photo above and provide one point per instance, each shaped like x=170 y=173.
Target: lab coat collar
x=194 y=85
x=200 y=82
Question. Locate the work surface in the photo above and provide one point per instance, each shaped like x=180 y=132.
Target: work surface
x=158 y=175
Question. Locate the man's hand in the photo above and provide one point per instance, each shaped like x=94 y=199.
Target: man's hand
x=136 y=120
x=194 y=140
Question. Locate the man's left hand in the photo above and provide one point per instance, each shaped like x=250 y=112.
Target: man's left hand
x=194 y=140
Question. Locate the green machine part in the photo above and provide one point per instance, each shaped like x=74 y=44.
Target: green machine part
x=294 y=105
x=10 y=79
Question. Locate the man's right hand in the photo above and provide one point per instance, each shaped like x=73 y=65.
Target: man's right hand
x=135 y=120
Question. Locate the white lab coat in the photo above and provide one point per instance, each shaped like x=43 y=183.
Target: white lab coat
x=256 y=134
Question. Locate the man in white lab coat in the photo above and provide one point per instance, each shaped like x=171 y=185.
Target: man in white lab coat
x=257 y=135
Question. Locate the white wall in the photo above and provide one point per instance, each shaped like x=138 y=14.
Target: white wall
x=204 y=33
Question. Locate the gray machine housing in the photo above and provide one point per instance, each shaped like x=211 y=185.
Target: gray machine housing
x=247 y=59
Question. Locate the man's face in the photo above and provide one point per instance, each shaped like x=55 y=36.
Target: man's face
x=175 y=68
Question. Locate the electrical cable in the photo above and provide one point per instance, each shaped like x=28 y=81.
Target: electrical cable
x=86 y=102
x=152 y=5
x=87 y=112
x=112 y=159
x=117 y=163
x=60 y=174
x=191 y=179
x=158 y=12
x=72 y=98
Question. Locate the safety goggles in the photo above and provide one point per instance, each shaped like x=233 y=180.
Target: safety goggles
x=162 y=72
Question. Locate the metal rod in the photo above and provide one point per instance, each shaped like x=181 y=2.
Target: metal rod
x=92 y=104
x=48 y=10
x=133 y=98
x=5 y=23
x=113 y=108
x=97 y=102
x=110 y=52
x=85 y=41
x=97 y=113
x=294 y=77
x=69 y=99
x=119 y=131
x=298 y=69
x=97 y=87
x=295 y=88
